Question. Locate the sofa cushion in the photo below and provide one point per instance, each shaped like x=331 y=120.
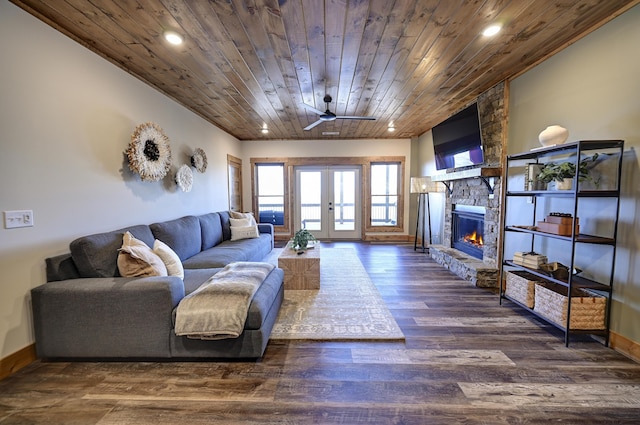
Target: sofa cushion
x=136 y=259
x=194 y=278
x=61 y=267
x=262 y=300
x=182 y=235
x=230 y=251
x=97 y=255
x=211 y=230
x=218 y=256
x=226 y=225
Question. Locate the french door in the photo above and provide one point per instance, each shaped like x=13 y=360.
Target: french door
x=328 y=201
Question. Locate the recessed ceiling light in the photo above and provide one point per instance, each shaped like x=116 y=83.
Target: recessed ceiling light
x=173 y=37
x=265 y=130
x=330 y=133
x=391 y=129
x=492 y=30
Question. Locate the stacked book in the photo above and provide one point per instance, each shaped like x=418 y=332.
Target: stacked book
x=532 y=260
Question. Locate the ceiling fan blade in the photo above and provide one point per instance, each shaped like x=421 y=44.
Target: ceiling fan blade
x=351 y=117
x=310 y=126
x=311 y=108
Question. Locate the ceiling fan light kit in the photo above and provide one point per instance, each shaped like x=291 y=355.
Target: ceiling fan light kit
x=330 y=116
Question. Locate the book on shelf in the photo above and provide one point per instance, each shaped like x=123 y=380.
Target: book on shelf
x=529 y=259
x=531 y=181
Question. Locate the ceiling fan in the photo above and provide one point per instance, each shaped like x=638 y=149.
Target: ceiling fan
x=330 y=116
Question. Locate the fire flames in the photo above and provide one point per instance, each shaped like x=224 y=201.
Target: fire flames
x=474 y=239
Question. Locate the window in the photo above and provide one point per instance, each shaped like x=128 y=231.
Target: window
x=270 y=193
x=381 y=185
x=385 y=194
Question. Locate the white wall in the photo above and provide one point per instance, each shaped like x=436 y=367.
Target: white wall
x=66 y=118
x=592 y=89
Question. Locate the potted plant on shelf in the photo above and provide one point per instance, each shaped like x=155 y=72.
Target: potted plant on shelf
x=563 y=173
x=301 y=239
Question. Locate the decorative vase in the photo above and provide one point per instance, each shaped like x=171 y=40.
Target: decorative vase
x=566 y=184
x=553 y=135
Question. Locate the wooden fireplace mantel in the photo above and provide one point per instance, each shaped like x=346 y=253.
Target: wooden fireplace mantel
x=468 y=174
x=483 y=173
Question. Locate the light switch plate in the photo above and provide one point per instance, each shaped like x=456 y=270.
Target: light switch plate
x=22 y=218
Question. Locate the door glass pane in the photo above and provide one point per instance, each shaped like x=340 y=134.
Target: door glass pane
x=344 y=183
x=270 y=179
x=310 y=200
x=384 y=194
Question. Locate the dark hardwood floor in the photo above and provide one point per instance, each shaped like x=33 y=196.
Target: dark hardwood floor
x=466 y=360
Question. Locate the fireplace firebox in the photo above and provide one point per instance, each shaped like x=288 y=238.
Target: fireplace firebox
x=467 y=230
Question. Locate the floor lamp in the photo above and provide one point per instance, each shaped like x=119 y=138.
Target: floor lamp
x=422 y=186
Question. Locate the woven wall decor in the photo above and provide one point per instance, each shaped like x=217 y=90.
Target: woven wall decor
x=199 y=160
x=149 y=152
x=184 y=178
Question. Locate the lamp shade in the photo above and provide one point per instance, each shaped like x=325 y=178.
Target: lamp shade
x=423 y=185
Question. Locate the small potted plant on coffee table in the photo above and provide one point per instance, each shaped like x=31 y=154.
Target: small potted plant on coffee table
x=301 y=239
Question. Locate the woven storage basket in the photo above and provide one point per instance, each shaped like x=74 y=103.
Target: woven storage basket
x=587 y=309
x=520 y=286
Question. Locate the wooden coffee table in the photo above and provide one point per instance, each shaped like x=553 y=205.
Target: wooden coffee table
x=301 y=271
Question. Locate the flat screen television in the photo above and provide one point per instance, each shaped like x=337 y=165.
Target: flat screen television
x=457 y=141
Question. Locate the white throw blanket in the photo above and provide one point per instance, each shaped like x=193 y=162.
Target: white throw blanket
x=218 y=308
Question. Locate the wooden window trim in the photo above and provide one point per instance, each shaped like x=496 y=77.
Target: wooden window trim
x=364 y=162
x=399 y=227
x=286 y=226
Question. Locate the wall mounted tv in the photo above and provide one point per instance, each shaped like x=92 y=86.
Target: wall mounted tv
x=457 y=141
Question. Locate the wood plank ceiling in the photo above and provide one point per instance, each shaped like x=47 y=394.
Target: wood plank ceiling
x=250 y=63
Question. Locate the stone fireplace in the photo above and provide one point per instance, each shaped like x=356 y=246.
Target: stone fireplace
x=471 y=202
x=473 y=195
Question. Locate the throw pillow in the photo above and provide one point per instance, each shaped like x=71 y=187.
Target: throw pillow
x=136 y=259
x=169 y=258
x=240 y=222
x=243 y=228
x=244 y=232
x=249 y=215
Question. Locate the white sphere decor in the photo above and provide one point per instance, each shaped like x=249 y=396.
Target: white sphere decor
x=553 y=135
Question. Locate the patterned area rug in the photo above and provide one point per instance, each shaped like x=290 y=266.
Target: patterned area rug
x=346 y=307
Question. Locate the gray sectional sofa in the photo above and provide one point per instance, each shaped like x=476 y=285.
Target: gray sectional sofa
x=86 y=310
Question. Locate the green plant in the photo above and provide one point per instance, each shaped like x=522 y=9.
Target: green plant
x=557 y=171
x=301 y=239
x=566 y=170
